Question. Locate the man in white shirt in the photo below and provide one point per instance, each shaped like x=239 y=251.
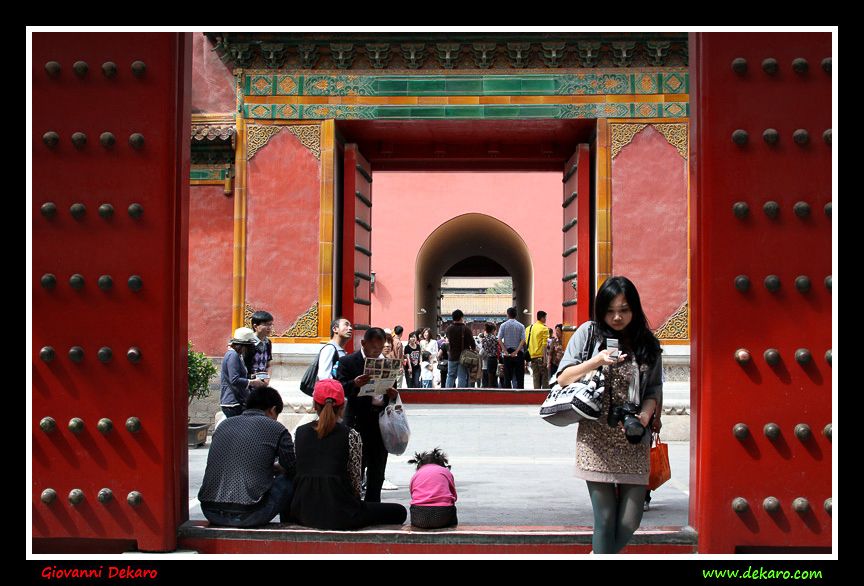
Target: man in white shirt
x=341 y=331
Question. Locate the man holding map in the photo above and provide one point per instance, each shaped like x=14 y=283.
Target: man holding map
x=368 y=389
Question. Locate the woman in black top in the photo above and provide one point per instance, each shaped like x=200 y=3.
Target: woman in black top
x=412 y=356
x=329 y=458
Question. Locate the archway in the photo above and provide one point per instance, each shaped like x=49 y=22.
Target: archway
x=461 y=238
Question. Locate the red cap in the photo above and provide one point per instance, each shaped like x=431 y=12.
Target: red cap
x=328 y=388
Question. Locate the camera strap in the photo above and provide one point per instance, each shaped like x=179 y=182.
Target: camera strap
x=634 y=393
x=588 y=350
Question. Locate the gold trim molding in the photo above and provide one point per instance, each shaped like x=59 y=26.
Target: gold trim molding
x=622 y=135
x=258 y=135
x=676 y=327
x=306 y=325
x=248 y=310
x=675 y=134
x=309 y=135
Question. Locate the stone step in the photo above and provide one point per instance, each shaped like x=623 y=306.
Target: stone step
x=277 y=538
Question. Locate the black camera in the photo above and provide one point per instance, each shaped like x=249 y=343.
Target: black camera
x=626 y=414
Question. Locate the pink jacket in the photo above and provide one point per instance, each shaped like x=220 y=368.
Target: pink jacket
x=432 y=486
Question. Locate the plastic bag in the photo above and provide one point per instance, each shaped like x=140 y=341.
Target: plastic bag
x=394 y=428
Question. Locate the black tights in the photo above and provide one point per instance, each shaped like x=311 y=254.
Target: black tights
x=616 y=518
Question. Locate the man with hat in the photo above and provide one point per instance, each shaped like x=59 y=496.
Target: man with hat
x=236 y=383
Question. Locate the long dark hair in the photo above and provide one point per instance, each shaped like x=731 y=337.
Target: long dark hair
x=646 y=346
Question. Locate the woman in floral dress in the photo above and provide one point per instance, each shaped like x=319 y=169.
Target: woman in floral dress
x=614 y=465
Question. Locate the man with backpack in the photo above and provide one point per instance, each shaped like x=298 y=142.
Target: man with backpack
x=325 y=364
x=341 y=332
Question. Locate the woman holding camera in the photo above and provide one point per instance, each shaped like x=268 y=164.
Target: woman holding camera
x=612 y=452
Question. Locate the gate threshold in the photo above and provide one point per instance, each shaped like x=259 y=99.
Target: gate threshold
x=284 y=538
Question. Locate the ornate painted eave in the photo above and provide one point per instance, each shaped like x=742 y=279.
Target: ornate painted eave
x=214 y=133
x=213 y=144
x=450 y=51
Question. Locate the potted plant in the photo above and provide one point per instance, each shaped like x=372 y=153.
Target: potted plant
x=201 y=370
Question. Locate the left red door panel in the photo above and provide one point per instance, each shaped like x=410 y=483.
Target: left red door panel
x=110 y=183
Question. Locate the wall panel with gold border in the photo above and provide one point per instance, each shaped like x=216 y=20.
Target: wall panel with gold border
x=284 y=227
x=613 y=137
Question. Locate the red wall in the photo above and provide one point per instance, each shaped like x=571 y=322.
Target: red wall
x=649 y=223
x=211 y=217
x=212 y=80
x=407 y=207
x=211 y=250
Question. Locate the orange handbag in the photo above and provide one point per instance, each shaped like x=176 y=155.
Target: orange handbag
x=660 y=470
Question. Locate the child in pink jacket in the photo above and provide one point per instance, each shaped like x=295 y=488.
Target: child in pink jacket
x=433 y=491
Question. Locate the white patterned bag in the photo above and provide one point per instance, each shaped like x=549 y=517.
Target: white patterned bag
x=577 y=401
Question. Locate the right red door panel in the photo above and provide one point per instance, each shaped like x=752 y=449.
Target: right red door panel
x=761 y=118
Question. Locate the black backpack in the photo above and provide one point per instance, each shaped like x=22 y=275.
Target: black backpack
x=310 y=377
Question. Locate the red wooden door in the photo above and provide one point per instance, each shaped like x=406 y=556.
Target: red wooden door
x=110 y=155
x=762 y=338
x=578 y=268
x=357 y=242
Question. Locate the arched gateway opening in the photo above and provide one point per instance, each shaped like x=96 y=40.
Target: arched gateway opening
x=574 y=84
x=479 y=242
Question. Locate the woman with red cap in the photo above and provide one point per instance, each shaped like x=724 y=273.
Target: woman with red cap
x=329 y=458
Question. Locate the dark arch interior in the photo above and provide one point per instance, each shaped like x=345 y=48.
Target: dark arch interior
x=470 y=242
x=477 y=266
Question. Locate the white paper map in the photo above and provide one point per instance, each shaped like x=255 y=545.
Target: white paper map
x=384 y=372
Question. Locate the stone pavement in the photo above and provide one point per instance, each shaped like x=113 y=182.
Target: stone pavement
x=511 y=467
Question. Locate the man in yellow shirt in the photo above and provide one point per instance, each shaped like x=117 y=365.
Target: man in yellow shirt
x=537 y=335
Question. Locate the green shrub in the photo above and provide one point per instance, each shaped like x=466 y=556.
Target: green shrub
x=201 y=370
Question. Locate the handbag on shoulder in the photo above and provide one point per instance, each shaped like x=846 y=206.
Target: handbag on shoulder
x=577 y=401
x=468 y=357
x=580 y=399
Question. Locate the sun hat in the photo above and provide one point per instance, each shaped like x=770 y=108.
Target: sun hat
x=328 y=388
x=243 y=336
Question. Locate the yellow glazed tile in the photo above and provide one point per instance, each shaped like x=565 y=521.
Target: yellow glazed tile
x=603 y=234
x=526 y=100
x=432 y=100
x=325 y=260
x=401 y=100
x=494 y=99
x=464 y=100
